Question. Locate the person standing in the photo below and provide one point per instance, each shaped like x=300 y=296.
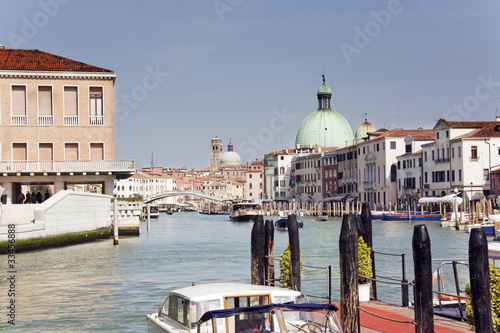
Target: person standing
x=47 y=194
x=28 y=198
x=39 y=198
x=20 y=198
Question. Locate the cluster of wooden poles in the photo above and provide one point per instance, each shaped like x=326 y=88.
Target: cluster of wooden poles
x=262 y=268
x=332 y=208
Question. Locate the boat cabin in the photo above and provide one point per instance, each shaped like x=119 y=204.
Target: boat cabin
x=184 y=307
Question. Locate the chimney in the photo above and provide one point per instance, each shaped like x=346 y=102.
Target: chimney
x=2 y=47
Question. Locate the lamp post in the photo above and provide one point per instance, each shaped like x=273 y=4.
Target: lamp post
x=115 y=217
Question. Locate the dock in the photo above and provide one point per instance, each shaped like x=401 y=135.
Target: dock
x=370 y=323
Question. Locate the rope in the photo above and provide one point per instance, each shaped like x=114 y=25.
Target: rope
x=396 y=283
x=387 y=254
x=390 y=319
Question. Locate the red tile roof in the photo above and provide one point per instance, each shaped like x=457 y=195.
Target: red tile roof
x=466 y=124
x=489 y=130
x=39 y=61
x=419 y=134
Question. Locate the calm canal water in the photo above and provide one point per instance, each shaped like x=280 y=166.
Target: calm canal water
x=98 y=287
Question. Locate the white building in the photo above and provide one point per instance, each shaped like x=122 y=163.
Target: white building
x=377 y=162
x=277 y=171
x=147 y=185
x=462 y=156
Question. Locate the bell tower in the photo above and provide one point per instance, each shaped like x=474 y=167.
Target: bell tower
x=215 y=152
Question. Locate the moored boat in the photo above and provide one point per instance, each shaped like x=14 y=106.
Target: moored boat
x=488 y=227
x=184 y=308
x=404 y=216
x=282 y=224
x=245 y=211
x=154 y=212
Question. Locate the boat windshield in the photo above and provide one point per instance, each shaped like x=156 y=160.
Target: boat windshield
x=177 y=309
x=245 y=206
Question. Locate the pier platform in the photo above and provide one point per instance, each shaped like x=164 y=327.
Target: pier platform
x=370 y=323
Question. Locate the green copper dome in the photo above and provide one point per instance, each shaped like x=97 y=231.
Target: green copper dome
x=324 y=127
x=363 y=130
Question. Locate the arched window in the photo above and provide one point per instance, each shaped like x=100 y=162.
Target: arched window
x=393 y=173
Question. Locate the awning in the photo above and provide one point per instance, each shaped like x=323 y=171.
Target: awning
x=446 y=199
x=351 y=199
x=335 y=198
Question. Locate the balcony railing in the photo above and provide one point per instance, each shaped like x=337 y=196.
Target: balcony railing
x=96 y=120
x=20 y=120
x=66 y=166
x=369 y=185
x=70 y=120
x=442 y=160
x=45 y=120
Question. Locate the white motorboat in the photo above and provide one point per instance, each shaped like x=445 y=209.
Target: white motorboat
x=245 y=211
x=183 y=308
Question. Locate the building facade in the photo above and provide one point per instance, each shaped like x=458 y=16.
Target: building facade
x=56 y=124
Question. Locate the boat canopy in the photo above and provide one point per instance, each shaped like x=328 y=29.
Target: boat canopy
x=446 y=199
x=336 y=198
x=265 y=308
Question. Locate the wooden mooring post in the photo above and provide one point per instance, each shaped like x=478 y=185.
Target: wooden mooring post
x=365 y=231
x=480 y=280
x=293 y=237
x=349 y=297
x=257 y=251
x=269 y=262
x=422 y=259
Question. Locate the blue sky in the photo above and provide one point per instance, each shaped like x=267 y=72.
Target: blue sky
x=249 y=70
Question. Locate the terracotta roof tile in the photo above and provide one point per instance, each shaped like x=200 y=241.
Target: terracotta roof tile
x=489 y=130
x=39 y=61
x=419 y=134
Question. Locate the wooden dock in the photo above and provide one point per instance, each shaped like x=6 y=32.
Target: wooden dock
x=370 y=323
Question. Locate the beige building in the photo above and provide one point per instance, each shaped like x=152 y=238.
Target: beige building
x=56 y=124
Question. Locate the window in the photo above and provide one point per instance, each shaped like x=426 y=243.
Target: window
x=408 y=149
x=452 y=175
x=71 y=107
x=19 y=116
x=453 y=153
x=459 y=175
x=425 y=177
x=473 y=152
x=437 y=135
x=459 y=151
x=19 y=153
x=432 y=155
x=377 y=146
x=393 y=144
x=250 y=176
x=96 y=106
x=96 y=151
x=425 y=156
x=447 y=134
x=45 y=155
x=45 y=116
x=393 y=173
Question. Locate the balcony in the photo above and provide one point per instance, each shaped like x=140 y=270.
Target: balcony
x=65 y=166
x=70 y=121
x=19 y=120
x=45 y=120
x=442 y=160
x=96 y=120
x=369 y=185
x=474 y=159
